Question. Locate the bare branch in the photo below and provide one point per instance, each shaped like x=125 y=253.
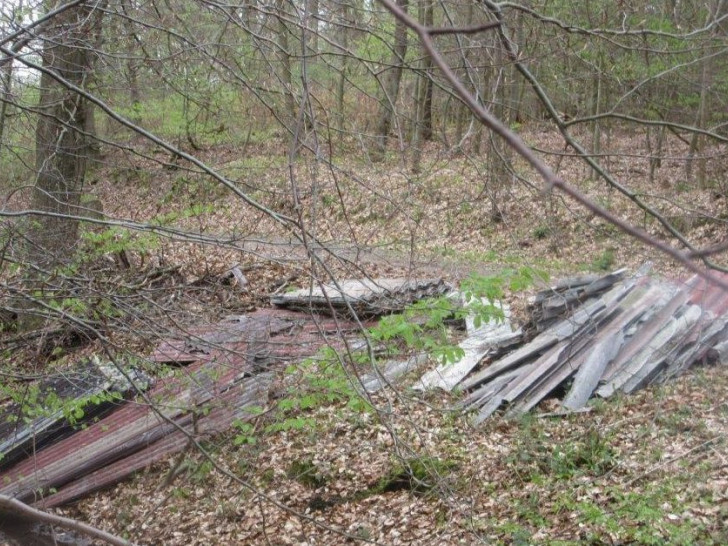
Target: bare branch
x=473 y=29
x=23 y=33
x=19 y=510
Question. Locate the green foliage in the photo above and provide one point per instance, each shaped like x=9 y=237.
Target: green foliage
x=245 y=431
x=605 y=261
x=193 y=211
x=541 y=231
x=328 y=200
x=635 y=517
x=117 y=239
x=318 y=381
x=375 y=47
x=35 y=403
x=424 y=325
x=591 y=455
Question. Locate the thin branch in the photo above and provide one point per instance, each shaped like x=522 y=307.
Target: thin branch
x=473 y=29
x=19 y=510
x=23 y=33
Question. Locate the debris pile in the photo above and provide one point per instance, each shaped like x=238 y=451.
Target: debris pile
x=366 y=297
x=229 y=371
x=64 y=398
x=599 y=336
x=589 y=335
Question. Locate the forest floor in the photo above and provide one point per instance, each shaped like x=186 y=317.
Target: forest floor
x=649 y=469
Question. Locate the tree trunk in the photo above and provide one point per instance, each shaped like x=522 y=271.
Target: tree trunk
x=516 y=83
x=423 y=93
x=429 y=17
x=132 y=64
x=697 y=141
x=285 y=58
x=346 y=19
x=61 y=145
x=391 y=87
x=313 y=29
x=6 y=72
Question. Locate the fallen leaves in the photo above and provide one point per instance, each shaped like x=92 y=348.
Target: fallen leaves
x=515 y=481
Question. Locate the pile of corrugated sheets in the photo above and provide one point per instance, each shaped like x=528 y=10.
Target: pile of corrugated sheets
x=367 y=297
x=229 y=368
x=590 y=335
x=596 y=336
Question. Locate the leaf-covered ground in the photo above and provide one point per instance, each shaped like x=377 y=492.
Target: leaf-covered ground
x=649 y=469
x=645 y=469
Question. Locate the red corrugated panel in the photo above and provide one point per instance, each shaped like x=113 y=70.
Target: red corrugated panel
x=136 y=434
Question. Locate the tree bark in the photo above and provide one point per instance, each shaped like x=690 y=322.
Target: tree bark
x=61 y=145
x=313 y=29
x=346 y=18
x=429 y=18
x=6 y=73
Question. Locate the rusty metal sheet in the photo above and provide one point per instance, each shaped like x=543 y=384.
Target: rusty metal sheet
x=240 y=353
x=219 y=419
x=21 y=436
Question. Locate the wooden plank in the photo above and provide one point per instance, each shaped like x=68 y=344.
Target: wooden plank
x=482 y=394
x=564 y=329
x=572 y=288
x=491 y=407
x=567 y=361
x=543 y=389
x=576 y=281
x=367 y=296
x=612 y=337
x=570 y=359
x=670 y=341
x=604 y=282
x=537 y=369
x=516 y=358
x=696 y=348
x=647 y=327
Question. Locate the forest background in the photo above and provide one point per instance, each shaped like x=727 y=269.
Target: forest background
x=147 y=148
